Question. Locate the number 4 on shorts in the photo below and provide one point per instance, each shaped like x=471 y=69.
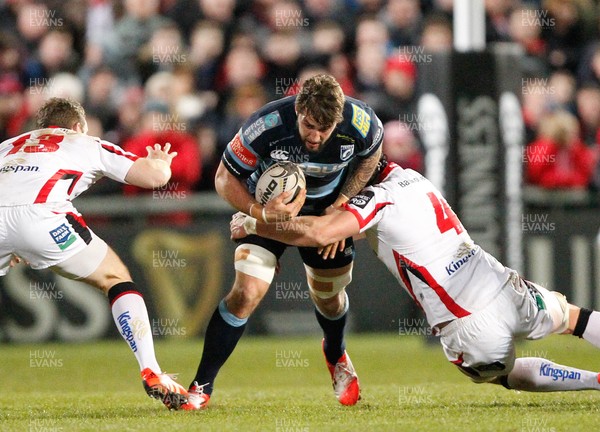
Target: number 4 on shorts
x=444 y=216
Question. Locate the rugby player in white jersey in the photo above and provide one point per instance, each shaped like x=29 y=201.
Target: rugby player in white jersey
x=476 y=305
x=40 y=173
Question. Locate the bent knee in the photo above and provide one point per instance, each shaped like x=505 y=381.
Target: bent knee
x=328 y=283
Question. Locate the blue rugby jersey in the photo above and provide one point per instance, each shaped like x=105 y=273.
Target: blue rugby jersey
x=271 y=134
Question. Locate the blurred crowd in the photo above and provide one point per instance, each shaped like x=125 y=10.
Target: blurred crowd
x=191 y=71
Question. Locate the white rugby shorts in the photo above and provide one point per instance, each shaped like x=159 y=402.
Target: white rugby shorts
x=47 y=235
x=482 y=344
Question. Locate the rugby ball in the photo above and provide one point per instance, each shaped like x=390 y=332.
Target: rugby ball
x=278 y=178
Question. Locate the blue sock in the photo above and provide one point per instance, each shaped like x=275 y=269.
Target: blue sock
x=333 y=332
x=222 y=335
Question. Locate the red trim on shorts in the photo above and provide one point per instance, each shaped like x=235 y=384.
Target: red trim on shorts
x=422 y=273
x=124 y=293
x=459 y=361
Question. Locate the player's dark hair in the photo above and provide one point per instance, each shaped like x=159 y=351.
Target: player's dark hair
x=322 y=99
x=60 y=112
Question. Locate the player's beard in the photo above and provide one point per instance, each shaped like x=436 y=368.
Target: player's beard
x=312 y=147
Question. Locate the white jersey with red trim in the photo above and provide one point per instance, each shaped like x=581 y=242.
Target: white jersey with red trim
x=55 y=165
x=418 y=237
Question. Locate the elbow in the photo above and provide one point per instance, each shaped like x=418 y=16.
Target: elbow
x=161 y=179
x=221 y=180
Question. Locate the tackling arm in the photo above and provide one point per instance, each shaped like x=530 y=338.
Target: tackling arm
x=311 y=231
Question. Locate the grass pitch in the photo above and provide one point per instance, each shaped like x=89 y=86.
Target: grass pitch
x=277 y=384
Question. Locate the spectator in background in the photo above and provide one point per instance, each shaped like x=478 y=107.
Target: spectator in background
x=566 y=36
x=32 y=23
x=207 y=44
x=372 y=32
x=589 y=65
x=102 y=90
x=65 y=85
x=403 y=21
x=558 y=158
x=245 y=99
x=323 y=10
x=129 y=114
x=163 y=52
x=525 y=28
x=160 y=126
x=400 y=145
x=131 y=32
x=11 y=102
x=588 y=112
x=562 y=87
x=54 y=54
x=399 y=84
x=327 y=39
x=437 y=34
x=282 y=53
x=497 y=20
x=535 y=104
x=187 y=14
x=242 y=65
x=370 y=65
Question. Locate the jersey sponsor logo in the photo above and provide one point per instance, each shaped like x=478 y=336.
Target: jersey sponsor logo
x=260 y=125
x=361 y=120
x=464 y=254
x=321 y=169
x=280 y=155
x=546 y=369
x=241 y=152
x=361 y=200
x=346 y=151
x=12 y=167
x=126 y=330
x=63 y=236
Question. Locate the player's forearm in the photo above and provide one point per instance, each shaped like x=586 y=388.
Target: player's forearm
x=148 y=173
x=300 y=231
x=359 y=178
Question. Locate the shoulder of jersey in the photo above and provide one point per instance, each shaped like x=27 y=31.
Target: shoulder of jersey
x=270 y=117
x=358 y=118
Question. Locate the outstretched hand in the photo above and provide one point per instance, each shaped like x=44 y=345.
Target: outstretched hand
x=161 y=153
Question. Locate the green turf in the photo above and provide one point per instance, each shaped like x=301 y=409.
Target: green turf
x=282 y=385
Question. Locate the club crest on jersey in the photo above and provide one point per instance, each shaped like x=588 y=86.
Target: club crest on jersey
x=346 y=151
x=361 y=200
x=260 y=125
x=63 y=236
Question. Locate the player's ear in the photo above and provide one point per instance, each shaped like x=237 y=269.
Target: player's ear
x=80 y=127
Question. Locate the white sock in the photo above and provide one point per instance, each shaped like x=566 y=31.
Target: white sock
x=536 y=374
x=131 y=318
x=592 y=330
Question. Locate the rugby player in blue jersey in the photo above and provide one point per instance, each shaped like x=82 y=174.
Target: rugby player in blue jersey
x=336 y=140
